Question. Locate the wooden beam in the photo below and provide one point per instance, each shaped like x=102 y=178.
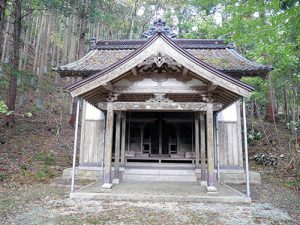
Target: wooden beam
x=134 y=71
x=160 y=106
x=157 y=89
x=108 y=86
x=211 y=87
x=184 y=71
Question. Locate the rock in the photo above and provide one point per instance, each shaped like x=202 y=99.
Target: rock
x=282 y=156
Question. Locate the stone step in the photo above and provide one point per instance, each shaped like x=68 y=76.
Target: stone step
x=159 y=174
x=159 y=171
x=140 y=177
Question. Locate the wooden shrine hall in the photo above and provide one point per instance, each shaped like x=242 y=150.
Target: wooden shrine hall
x=162 y=101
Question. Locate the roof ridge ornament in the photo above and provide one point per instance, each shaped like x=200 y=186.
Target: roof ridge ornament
x=159 y=26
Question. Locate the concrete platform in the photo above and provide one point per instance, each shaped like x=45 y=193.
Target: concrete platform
x=160 y=192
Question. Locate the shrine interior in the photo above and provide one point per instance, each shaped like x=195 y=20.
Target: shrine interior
x=166 y=137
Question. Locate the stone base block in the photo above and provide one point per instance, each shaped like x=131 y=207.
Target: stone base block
x=93 y=173
x=106 y=186
x=211 y=190
x=238 y=177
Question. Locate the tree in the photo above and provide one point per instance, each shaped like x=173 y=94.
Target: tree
x=3 y=5
x=12 y=87
x=81 y=48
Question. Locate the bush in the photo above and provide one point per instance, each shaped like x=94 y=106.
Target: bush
x=2 y=176
x=24 y=167
x=44 y=173
x=40 y=175
x=47 y=158
x=254 y=136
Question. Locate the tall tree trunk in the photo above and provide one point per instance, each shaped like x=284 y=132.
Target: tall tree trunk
x=81 y=52
x=133 y=18
x=3 y=4
x=286 y=110
x=12 y=87
x=5 y=36
x=270 y=108
x=83 y=25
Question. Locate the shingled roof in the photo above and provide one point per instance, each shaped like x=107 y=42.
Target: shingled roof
x=214 y=52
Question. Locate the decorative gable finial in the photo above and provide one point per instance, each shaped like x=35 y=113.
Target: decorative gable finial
x=159 y=26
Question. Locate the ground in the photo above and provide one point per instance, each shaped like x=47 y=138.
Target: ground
x=49 y=204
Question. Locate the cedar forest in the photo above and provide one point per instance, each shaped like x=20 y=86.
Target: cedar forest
x=36 y=36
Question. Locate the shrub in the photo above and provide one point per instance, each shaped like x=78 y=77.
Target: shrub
x=2 y=176
x=254 y=136
x=47 y=158
x=40 y=175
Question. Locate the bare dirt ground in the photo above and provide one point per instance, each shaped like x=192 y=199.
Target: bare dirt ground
x=49 y=204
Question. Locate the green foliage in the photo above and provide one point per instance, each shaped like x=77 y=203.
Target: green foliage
x=261 y=88
x=40 y=175
x=46 y=158
x=24 y=167
x=2 y=176
x=293 y=125
x=254 y=136
x=4 y=108
x=44 y=173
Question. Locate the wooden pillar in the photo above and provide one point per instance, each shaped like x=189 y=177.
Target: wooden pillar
x=142 y=137
x=107 y=184
x=203 y=148
x=123 y=141
x=160 y=133
x=117 y=149
x=210 y=148
x=178 y=137
x=197 y=144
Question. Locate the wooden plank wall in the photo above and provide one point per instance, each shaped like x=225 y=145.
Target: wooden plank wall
x=230 y=146
x=91 y=141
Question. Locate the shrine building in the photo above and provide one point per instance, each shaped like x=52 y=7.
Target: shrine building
x=162 y=109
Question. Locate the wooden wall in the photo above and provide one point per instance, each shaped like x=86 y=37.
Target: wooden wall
x=91 y=138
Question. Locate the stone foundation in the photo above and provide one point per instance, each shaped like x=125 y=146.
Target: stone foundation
x=238 y=177
x=91 y=173
x=226 y=176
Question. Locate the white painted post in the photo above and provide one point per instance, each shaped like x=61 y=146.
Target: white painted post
x=246 y=147
x=75 y=145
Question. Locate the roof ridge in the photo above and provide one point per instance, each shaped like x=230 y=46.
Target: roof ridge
x=184 y=43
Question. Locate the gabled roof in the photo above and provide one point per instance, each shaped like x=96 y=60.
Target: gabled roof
x=161 y=43
x=214 y=52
